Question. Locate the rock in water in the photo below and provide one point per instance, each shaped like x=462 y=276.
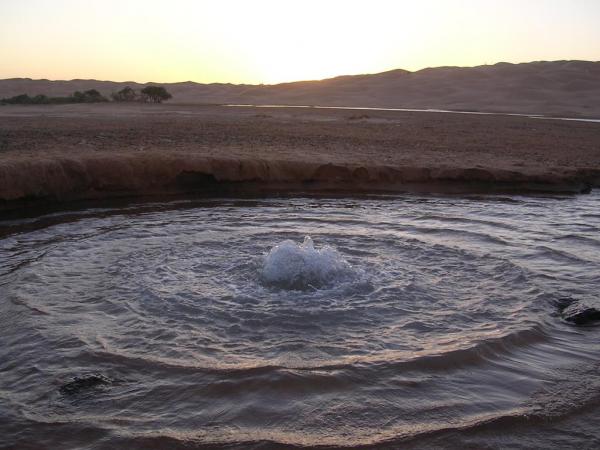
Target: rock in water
x=82 y=383
x=579 y=312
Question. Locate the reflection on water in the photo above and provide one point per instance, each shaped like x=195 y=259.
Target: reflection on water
x=414 y=321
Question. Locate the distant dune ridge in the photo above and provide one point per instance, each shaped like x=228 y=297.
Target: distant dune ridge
x=557 y=88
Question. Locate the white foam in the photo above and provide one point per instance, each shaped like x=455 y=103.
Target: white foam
x=292 y=266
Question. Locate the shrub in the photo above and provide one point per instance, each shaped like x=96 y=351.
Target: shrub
x=126 y=94
x=90 y=96
x=155 y=94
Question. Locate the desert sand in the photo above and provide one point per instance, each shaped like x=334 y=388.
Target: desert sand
x=73 y=152
x=557 y=88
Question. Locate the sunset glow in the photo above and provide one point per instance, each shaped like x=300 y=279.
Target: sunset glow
x=269 y=41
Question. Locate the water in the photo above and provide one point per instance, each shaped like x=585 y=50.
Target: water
x=300 y=267
x=412 y=321
x=447 y=111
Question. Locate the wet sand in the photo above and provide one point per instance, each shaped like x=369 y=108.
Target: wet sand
x=71 y=152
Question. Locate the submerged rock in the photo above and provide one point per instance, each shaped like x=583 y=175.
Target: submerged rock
x=579 y=312
x=83 y=383
x=563 y=302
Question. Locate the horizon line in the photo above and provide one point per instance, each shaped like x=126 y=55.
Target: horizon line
x=305 y=80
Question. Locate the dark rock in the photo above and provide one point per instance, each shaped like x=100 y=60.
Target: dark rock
x=83 y=383
x=578 y=312
x=586 y=189
x=563 y=303
x=581 y=314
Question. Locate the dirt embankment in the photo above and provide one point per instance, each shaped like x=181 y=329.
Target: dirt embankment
x=53 y=154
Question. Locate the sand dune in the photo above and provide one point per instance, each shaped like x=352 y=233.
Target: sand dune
x=559 y=88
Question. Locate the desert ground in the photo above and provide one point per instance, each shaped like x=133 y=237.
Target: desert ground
x=66 y=152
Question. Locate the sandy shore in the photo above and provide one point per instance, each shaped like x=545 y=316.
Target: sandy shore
x=72 y=152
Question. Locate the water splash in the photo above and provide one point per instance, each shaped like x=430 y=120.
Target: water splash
x=302 y=266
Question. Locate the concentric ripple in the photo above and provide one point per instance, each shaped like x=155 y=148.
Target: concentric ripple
x=373 y=321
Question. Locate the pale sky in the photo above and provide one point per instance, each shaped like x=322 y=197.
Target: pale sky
x=270 y=41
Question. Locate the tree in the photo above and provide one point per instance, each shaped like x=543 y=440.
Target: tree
x=93 y=96
x=155 y=94
x=40 y=99
x=25 y=99
x=78 y=97
x=126 y=94
x=90 y=96
x=22 y=99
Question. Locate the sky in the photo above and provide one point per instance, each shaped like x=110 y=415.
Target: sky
x=272 y=41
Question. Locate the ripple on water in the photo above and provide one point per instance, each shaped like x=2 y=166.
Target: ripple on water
x=216 y=323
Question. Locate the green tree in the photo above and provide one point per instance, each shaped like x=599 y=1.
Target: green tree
x=78 y=97
x=155 y=94
x=40 y=99
x=126 y=94
x=22 y=99
x=90 y=96
x=93 y=96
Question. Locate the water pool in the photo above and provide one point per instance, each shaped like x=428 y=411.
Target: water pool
x=419 y=321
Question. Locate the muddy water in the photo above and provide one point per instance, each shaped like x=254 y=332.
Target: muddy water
x=421 y=322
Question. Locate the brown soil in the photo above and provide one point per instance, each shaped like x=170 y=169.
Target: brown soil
x=81 y=151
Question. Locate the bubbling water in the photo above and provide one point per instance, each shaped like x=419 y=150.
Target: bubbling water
x=303 y=267
x=413 y=322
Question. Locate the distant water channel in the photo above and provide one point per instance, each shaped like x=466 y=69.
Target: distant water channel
x=480 y=113
x=405 y=321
